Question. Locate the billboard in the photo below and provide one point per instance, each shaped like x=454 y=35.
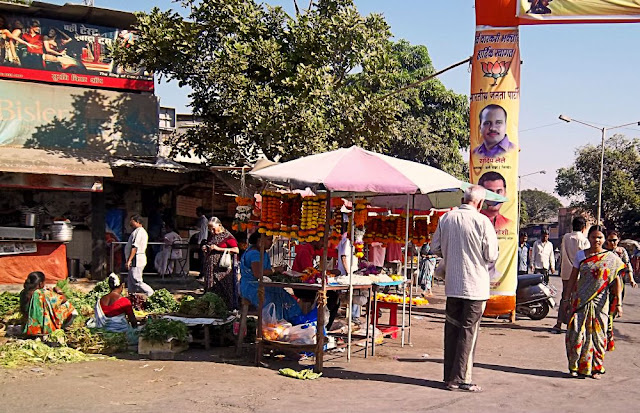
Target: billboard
x=60 y=52
x=595 y=10
x=493 y=162
x=77 y=120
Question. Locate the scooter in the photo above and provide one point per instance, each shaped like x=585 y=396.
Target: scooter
x=534 y=298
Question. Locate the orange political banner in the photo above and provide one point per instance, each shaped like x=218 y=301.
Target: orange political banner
x=494 y=104
x=568 y=10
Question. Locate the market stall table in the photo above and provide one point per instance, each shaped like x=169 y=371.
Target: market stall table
x=205 y=322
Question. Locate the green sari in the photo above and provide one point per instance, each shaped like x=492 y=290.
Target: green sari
x=48 y=311
x=587 y=340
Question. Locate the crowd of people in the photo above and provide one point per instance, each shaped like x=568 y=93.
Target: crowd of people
x=594 y=269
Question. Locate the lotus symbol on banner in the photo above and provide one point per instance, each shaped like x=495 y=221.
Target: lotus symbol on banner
x=495 y=70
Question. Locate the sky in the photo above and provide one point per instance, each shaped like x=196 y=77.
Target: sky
x=587 y=72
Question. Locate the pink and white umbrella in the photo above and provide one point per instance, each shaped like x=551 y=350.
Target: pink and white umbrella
x=358 y=170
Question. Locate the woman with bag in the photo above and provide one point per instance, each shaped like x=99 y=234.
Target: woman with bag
x=219 y=274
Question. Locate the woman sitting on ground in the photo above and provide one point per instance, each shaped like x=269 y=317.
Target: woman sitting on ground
x=286 y=305
x=45 y=310
x=113 y=310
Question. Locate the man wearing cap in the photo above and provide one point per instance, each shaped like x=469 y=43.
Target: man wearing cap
x=544 y=261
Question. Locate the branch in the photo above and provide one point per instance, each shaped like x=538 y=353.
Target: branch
x=295 y=4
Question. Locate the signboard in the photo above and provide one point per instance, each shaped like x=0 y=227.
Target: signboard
x=596 y=10
x=77 y=120
x=51 y=182
x=494 y=105
x=12 y=248
x=59 y=52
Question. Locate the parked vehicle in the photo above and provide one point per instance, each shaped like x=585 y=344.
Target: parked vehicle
x=534 y=298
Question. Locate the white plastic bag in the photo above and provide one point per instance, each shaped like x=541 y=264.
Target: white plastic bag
x=302 y=334
x=225 y=260
x=272 y=328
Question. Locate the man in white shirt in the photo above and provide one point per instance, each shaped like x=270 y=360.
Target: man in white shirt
x=136 y=258
x=544 y=261
x=468 y=244
x=203 y=225
x=572 y=242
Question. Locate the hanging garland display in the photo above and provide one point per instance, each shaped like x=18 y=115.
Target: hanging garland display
x=420 y=231
x=244 y=211
x=271 y=218
x=291 y=213
x=313 y=218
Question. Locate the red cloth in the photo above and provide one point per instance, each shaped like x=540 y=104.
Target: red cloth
x=121 y=306
x=394 y=252
x=304 y=257
x=228 y=243
x=51 y=259
x=36 y=41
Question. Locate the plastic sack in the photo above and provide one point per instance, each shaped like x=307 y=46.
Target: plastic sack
x=272 y=328
x=302 y=334
x=310 y=317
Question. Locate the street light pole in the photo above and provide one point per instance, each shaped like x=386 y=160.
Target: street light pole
x=603 y=130
x=520 y=192
x=604 y=134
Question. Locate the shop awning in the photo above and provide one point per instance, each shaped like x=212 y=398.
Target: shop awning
x=39 y=161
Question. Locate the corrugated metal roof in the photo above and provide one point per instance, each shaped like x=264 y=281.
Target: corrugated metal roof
x=40 y=161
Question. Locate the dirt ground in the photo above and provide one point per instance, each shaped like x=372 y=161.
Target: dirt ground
x=521 y=366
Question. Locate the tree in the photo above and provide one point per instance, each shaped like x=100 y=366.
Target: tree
x=538 y=206
x=621 y=183
x=434 y=121
x=267 y=83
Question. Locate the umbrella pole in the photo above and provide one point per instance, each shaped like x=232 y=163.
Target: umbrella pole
x=413 y=208
x=404 y=268
x=321 y=297
x=350 y=262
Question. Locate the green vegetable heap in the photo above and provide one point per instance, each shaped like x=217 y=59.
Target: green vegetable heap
x=84 y=303
x=161 y=302
x=25 y=352
x=209 y=305
x=161 y=330
x=9 y=305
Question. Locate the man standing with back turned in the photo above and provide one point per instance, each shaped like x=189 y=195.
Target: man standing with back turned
x=468 y=244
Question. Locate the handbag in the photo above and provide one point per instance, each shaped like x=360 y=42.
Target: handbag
x=225 y=260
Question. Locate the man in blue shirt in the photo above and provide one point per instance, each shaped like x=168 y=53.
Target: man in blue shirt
x=524 y=255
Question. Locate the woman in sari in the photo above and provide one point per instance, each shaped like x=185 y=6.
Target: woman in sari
x=45 y=310
x=219 y=279
x=113 y=312
x=287 y=307
x=594 y=275
x=426 y=266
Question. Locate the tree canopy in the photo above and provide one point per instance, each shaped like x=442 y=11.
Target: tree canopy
x=621 y=183
x=267 y=83
x=538 y=206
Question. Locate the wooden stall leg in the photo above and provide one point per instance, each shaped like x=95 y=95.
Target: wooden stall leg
x=207 y=337
x=243 y=326
x=321 y=299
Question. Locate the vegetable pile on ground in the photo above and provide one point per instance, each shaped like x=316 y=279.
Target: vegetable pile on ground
x=84 y=302
x=9 y=306
x=209 y=305
x=92 y=340
x=24 y=352
x=161 y=330
x=161 y=302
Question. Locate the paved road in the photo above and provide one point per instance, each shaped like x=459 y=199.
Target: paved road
x=522 y=367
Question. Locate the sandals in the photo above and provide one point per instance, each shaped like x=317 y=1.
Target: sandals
x=468 y=387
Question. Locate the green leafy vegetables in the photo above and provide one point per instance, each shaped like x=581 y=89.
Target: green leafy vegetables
x=209 y=305
x=24 y=352
x=161 y=302
x=161 y=330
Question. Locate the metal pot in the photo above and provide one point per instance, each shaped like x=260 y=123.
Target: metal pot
x=29 y=219
x=61 y=231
